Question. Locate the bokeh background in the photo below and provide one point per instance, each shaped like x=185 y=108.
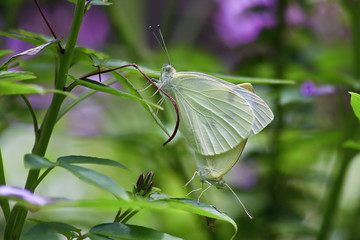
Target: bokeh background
x=296 y=177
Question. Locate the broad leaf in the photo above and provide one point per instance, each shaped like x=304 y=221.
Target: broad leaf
x=90 y=52
x=12 y=76
x=355 y=103
x=5 y=52
x=34 y=161
x=352 y=144
x=15 y=88
x=119 y=231
x=50 y=230
x=26 y=36
x=106 y=89
x=112 y=63
x=30 y=52
x=67 y=107
x=90 y=160
x=97 y=179
x=158 y=202
x=10 y=88
x=135 y=92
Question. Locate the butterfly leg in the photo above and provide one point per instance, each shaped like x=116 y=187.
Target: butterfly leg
x=159 y=103
x=192 y=178
x=204 y=190
x=146 y=87
x=194 y=190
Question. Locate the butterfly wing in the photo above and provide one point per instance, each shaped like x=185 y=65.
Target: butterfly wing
x=212 y=168
x=262 y=113
x=214 y=118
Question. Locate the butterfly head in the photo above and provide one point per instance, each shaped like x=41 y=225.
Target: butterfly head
x=167 y=72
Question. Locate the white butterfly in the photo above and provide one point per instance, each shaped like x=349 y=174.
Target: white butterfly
x=215 y=115
x=216 y=119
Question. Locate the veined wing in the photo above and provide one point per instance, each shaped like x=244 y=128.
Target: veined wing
x=262 y=113
x=214 y=118
x=214 y=167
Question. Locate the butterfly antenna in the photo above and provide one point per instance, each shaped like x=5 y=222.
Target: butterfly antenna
x=246 y=211
x=163 y=43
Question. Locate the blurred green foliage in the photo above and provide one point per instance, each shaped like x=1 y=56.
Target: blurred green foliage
x=298 y=177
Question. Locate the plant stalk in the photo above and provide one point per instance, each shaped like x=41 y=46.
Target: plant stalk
x=18 y=214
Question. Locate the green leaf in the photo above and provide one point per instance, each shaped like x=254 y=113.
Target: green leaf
x=90 y=160
x=97 y=179
x=50 y=230
x=134 y=91
x=240 y=79
x=9 y=88
x=26 y=36
x=31 y=51
x=112 y=63
x=355 y=103
x=34 y=161
x=5 y=52
x=124 y=231
x=352 y=144
x=90 y=52
x=158 y=202
x=106 y=89
x=199 y=208
x=12 y=76
x=80 y=98
x=14 y=88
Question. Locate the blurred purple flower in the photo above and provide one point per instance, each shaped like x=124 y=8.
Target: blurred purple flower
x=240 y=22
x=94 y=30
x=243 y=175
x=237 y=24
x=24 y=194
x=87 y=120
x=309 y=89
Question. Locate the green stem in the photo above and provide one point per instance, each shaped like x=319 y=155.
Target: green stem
x=42 y=176
x=276 y=177
x=33 y=115
x=4 y=203
x=130 y=215
x=18 y=215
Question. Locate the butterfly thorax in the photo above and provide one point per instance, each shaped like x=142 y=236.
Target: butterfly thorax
x=207 y=176
x=167 y=73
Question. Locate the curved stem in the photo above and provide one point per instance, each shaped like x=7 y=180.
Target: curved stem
x=153 y=83
x=32 y=112
x=42 y=176
x=48 y=25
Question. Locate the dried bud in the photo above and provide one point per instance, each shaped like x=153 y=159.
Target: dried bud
x=140 y=183
x=147 y=180
x=148 y=190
